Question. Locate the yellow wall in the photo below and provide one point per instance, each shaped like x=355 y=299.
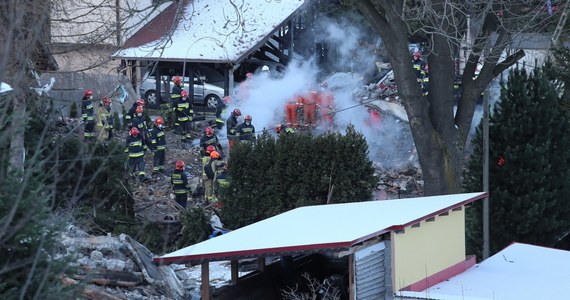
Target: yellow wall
x=422 y=251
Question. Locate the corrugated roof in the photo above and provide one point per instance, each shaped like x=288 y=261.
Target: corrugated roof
x=318 y=228
x=210 y=30
x=155 y=29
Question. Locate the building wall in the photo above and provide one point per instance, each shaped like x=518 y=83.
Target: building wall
x=419 y=252
x=95 y=21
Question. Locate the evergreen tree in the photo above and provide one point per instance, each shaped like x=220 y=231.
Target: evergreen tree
x=276 y=175
x=529 y=171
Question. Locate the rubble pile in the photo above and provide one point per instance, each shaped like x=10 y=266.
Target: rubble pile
x=110 y=267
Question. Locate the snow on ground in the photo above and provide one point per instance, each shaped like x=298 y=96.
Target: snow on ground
x=220 y=273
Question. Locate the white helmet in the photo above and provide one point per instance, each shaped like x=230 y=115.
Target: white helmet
x=265 y=68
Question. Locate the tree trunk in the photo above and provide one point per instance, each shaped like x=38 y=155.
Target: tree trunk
x=439 y=133
x=17 y=127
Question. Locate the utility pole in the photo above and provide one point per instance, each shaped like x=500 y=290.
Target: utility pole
x=486 y=173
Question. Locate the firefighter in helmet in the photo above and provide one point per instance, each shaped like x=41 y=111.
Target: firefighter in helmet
x=88 y=115
x=136 y=148
x=158 y=145
x=209 y=138
x=246 y=131
x=231 y=125
x=179 y=181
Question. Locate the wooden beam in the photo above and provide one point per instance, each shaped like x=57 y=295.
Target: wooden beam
x=206 y=280
x=234 y=271
x=351 y=288
x=261 y=264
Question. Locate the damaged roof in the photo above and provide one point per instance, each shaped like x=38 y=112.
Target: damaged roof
x=318 y=228
x=209 y=30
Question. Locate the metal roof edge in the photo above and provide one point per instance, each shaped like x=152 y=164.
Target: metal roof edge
x=247 y=253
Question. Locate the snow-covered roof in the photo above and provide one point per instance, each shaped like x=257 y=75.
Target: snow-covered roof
x=209 y=30
x=520 y=271
x=317 y=228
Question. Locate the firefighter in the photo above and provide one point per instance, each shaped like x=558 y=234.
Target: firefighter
x=220 y=110
x=136 y=148
x=179 y=181
x=209 y=138
x=88 y=115
x=176 y=92
x=210 y=170
x=425 y=81
x=205 y=160
x=231 y=125
x=419 y=66
x=246 y=131
x=158 y=145
x=310 y=109
x=325 y=101
x=221 y=180
x=184 y=111
x=140 y=123
x=132 y=111
x=104 y=119
x=283 y=129
x=291 y=111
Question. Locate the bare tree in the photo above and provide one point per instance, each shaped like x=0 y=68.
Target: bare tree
x=455 y=32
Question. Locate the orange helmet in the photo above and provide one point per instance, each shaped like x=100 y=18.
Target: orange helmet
x=140 y=102
x=210 y=149
x=209 y=131
x=184 y=94
x=139 y=109
x=88 y=93
x=134 y=131
x=158 y=121
x=179 y=165
x=237 y=112
x=214 y=154
x=177 y=80
x=247 y=118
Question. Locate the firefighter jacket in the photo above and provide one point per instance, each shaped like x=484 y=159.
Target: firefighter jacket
x=179 y=182
x=157 y=139
x=104 y=116
x=175 y=94
x=420 y=67
x=131 y=113
x=205 y=161
x=87 y=110
x=135 y=146
x=206 y=141
x=231 y=124
x=183 y=108
x=220 y=109
x=140 y=124
x=246 y=132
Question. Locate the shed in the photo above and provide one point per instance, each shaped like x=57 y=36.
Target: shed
x=221 y=33
x=404 y=244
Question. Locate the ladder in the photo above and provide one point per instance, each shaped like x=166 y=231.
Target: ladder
x=561 y=23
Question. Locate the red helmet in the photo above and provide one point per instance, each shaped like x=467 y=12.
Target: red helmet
x=184 y=94
x=139 y=109
x=237 y=112
x=179 y=165
x=247 y=118
x=158 y=121
x=88 y=93
x=248 y=75
x=140 y=102
x=215 y=154
x=176 y=80
x=134 y=131
x=418 y=54
x=210 y=148
x=209 y=131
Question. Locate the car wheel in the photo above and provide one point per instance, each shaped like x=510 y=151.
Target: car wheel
x=212 y=101
x=151 y=99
